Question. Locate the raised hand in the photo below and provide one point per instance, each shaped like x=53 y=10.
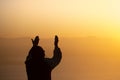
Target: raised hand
x=56 y=41
x=35 y=41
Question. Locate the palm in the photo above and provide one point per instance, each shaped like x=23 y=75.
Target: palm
x=56 y=41
x=35 y=41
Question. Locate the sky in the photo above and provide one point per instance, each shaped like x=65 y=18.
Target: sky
x=66 y=18
x=94 y=58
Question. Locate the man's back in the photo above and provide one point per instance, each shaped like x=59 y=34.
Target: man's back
x=40 y=71
x=38 y=67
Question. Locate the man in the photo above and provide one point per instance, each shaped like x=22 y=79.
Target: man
x=37 y=66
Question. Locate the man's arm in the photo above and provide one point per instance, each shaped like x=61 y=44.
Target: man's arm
x=35 y=43
x=57 y=55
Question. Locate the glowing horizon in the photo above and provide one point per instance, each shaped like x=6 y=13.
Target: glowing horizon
x=65 y=18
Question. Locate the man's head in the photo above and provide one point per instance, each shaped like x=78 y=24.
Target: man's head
x=38 y=53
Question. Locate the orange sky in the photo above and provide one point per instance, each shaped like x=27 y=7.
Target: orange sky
x=93 y=57
x=67 y=18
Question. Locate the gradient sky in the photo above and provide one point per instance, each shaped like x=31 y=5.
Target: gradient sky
x=67 y=18
x=95 y=59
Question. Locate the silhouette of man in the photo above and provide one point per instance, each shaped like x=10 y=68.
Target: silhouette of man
x=37 y=66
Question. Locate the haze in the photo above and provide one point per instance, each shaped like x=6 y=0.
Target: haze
x=83 y=58
x=89 y=33
x=67 y=18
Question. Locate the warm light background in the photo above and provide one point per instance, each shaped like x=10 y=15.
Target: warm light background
x=88 y=30
x=67 y=18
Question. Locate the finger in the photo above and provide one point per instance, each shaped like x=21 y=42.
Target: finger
x=56 y=38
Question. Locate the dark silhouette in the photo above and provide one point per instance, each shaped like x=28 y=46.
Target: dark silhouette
x=37 y=66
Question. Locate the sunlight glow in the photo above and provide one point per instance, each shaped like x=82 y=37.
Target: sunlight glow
x=67 y=18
